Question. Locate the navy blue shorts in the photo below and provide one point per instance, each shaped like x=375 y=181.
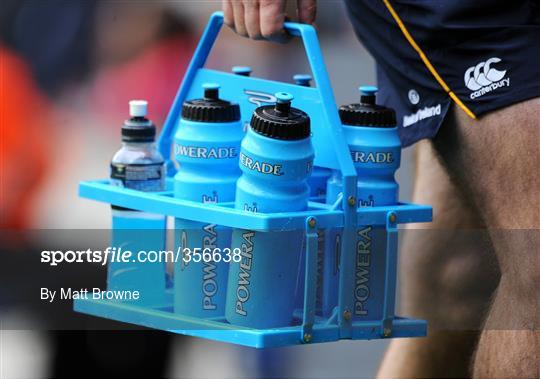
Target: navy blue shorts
x=480 y=55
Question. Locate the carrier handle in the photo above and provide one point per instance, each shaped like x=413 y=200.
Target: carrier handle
x=331 y=117
x=316 y=63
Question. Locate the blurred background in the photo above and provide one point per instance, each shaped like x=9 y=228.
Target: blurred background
x=68 y=69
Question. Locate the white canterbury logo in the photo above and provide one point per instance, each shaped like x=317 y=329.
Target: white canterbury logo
x=483 y=78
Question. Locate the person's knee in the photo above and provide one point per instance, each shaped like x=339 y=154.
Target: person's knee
x=450 y=274
x=449 y=270
x=470 y=267
x=494 y=159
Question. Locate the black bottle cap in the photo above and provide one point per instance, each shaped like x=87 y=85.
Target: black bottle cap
x=138 y=128
x=210 y=108
x=281 y=121
x=367 y=112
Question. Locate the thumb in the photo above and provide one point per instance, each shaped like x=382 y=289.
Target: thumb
x=307 y=10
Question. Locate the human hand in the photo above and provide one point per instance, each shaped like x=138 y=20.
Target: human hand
x=263 y=19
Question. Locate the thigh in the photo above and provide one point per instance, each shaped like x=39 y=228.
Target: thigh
x=495 y=160
x=448 y=270
x=447 y=276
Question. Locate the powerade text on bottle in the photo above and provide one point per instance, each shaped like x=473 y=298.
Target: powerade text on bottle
x=207 y=144
x=138 y=165
x=371 y=133
x=276 y=159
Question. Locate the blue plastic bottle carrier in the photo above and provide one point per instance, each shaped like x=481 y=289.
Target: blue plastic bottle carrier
x=161 y=307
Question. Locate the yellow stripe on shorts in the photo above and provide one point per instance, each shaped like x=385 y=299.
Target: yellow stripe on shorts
x=426 y=61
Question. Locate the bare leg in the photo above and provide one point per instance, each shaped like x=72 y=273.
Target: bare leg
x=496 y=159
x=442 y=264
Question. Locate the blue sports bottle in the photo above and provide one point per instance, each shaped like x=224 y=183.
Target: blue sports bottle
x=371 y=133
x=206 y=147
x=138 y=165
x=276 y=159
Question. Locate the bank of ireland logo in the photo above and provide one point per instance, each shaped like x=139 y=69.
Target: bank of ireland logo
x=413 y=96
x=483 y=78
